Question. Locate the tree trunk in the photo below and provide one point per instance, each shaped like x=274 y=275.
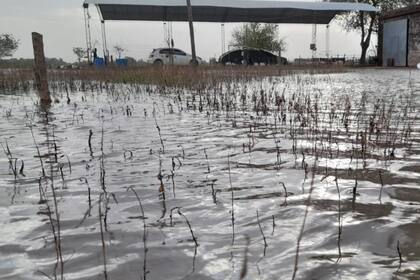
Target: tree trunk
x=365 y=43
x=365 y=48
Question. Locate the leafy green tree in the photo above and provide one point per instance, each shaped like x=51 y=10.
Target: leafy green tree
x=259 y=36
x=368 y=23
x=119 y=50
x=80 y=53
x=8 y=45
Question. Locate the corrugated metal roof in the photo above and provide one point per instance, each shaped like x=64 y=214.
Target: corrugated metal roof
x=227 y=11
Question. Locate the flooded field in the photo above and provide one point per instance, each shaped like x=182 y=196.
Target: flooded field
x=294 y=177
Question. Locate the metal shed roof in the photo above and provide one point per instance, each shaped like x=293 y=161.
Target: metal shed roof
x=227 y=10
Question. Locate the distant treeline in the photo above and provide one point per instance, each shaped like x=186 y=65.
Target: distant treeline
x=25 y=63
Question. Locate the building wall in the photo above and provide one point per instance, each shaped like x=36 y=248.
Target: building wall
x=413 y=56
x=395 y=42
x=414 y=40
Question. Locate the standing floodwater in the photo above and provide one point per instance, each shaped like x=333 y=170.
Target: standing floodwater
x=304 y=176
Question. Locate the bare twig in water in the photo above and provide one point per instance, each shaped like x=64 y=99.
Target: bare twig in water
x=244 y=270
x=382 y=186
x=90 y=142
x=207 y=160
x=232 y=204
x=102 y=236
x=56 y=210
x=37 y=150
x=286 y=195
x=187 y=221
x=274 y=224
x=399 y=255
x=262 y=232
x=302 y=229
x=160 y=135
x=340 y=223
x=144 y=232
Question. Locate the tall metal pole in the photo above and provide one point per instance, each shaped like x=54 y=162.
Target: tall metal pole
x=87 y=31
x=190 y=20
x=327 y=41
x=313 y=45
x=222 y=30
x=104 y=43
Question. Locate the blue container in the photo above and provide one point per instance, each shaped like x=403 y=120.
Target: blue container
x=99 y=62
x=121 y=62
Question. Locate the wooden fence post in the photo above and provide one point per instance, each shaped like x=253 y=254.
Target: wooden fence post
x=40 y=69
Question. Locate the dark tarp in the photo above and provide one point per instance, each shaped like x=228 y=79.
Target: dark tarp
x=226 y=11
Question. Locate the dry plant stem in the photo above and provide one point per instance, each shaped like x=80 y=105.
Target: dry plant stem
x=382 y=186
x=38 y=152
x=160 y=135
x=43 y=197
x=90 y=142
x=399 y=255
x=10 y=158
x=89 y=192
x=207 y=160
x=56 y=210
x=340 y=223
x=244 y=269
x=273 y=223
x=261 y=230
x=173 y=182
x=189 y=226
x=186 y=220
x=302 y=229
x=102 y=163
x=232 y=203
x=145 y=249
x=102 y=236
x=286 y=195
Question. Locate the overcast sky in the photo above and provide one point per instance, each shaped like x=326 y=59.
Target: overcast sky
x=61 y=22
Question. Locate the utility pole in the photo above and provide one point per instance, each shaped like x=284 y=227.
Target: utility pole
x=87 y=31
x=190 y=20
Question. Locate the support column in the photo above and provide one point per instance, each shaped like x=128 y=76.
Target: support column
x=380 y=50
x=222 y=30
x=190 y=20
x=327 y=41
x=87 y=31
x=104 y=42
x=40 y=69
x=313 y=44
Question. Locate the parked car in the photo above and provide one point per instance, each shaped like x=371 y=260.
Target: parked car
x=167 y=55
x=251 y=56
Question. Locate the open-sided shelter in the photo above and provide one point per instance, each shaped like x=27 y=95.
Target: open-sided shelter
x=224 y=11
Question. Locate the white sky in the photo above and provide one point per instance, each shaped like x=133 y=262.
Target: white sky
x=62 y=24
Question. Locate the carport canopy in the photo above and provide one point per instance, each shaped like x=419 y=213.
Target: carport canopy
x=227 y=10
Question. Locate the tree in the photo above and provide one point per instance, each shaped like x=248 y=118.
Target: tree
x=119 y=50
x=259 y=36
x=8 y=45
x=80 y=53
x=368 y=23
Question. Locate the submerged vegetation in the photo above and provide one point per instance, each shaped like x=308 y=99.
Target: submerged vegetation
x=231 y=172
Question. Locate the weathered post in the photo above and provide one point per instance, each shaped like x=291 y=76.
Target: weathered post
x=380 y=42
x=40 y=69
x=190 y=20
